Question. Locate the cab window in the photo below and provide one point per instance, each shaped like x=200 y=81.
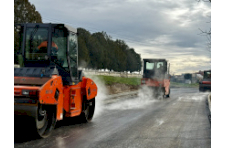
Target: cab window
x=150 y=65
x=18 y=39
x=36 y=43
x=59 y=48
x=159 y=64
x=73 y=51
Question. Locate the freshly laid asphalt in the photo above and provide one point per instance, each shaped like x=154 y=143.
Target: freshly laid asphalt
x=137 y=121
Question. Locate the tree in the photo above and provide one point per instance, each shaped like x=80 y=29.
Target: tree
x=83 y=51
x=206 y=33
x=24 y=12
x=208 y=36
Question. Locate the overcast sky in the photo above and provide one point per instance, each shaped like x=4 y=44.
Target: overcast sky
x=154 y=28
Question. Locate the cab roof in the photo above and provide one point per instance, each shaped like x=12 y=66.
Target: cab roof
x=69 y=28
x=150 y=60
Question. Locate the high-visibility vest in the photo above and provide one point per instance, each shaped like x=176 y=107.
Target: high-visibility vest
x=44 y=44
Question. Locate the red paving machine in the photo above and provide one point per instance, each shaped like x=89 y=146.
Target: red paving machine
x=205 y=84
x=156 y=76
x=48 y=85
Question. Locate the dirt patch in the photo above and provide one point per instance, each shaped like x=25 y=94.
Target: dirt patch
x=119 y=88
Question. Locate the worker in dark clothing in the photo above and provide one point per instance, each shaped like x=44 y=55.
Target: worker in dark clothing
x=159 y=71
x=160 y=67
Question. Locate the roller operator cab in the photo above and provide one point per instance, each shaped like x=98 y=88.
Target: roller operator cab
x=47 y=83
x=156 y=76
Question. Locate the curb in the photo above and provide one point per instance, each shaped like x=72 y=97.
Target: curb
x=209 y=102
x=115 y=97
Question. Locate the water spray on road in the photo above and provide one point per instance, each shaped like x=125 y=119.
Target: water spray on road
x=144 y=97
x=102 y=95
x=196 y=97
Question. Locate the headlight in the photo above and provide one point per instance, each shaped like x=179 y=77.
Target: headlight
x=25 y=92
x=30 y=92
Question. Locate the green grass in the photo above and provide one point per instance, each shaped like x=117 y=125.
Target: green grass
x=109 y=80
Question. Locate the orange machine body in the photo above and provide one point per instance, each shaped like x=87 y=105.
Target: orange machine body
x=51 y=91
x=75 y=95
x=154 y=83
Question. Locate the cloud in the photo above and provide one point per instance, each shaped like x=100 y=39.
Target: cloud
x=166 y=29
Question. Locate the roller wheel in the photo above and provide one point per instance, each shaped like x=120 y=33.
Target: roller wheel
x=45 y=121
x=168 y=94
x=88 y=112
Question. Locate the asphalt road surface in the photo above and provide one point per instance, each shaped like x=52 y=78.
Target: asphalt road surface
x=137 y=122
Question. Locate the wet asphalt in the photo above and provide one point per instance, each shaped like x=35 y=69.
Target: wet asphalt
x=141 y=121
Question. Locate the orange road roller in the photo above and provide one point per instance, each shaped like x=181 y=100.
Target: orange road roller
x=47 y=83
x=156 y=76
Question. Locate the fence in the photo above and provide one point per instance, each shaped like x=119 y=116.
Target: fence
x=107 y=73
x=110 y=73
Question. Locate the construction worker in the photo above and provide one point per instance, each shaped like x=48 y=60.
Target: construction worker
x=160 y=67
x=43 y=48
x=159 y=71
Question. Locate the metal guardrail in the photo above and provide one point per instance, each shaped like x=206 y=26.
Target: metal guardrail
x=106 y=73
x=115 y=74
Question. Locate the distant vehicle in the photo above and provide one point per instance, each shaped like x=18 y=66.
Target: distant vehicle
x=187 y=81
x=187 y=78
x=205 y=84
x=156 y=76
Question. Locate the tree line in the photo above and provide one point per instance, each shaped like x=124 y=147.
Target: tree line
x=96 y=51
x=99 y=51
